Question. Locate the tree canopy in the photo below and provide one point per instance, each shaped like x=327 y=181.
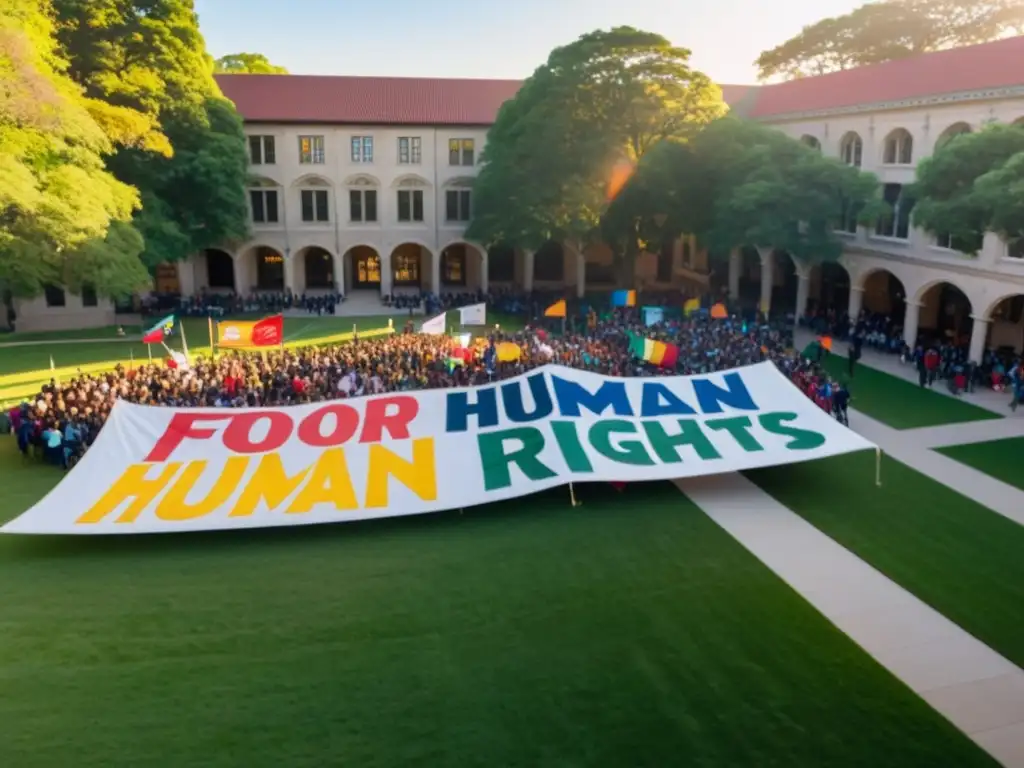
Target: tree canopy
x=892 y=29
x=596 y=105
x=61 y=212
x=247 y=64
x=741 y=183
x=145 y=60
x=972 y=184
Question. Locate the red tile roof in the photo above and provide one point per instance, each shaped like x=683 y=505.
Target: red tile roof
x=437 y=101
x=366 y=100
x=977 y=67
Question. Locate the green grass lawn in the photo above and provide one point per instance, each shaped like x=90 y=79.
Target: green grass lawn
x=958 y=556
x=900 y=403
x=631 y=631
x=1000 y=459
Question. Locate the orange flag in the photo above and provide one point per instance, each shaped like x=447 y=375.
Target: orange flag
x=719 y=312
x=826 y=342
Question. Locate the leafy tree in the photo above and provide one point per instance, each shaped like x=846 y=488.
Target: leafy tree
x=742 y=183
x=60 y=211
x=972 y=184
x=603 y=101
x=247 y=64
x=884 y=31
x=146 y=62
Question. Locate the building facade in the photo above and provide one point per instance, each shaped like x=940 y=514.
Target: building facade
x=365 y=184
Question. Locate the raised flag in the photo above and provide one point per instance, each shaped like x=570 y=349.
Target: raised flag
x=158 y=332
x=475 y=314
x=556 y=310
x=508 y=352
x=690 y=306
x=268 y=332
x=435 y=325
x=826 y=342
x=719 y=312
x=624 y=299
x=654 y=352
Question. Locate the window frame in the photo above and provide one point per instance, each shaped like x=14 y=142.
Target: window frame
x=363 y=195
x=361 y=149
x=317 y=154
x=317 y=205
x=459 y=149
x=55 y=296
x=463 y=205
x=414 y=200
x=265 y=141
x=413 y=150
x=264 y=193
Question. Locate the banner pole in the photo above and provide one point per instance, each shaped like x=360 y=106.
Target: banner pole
x=184 y=344
x=149 y=351
x=878 y=467
x=572 y=496
x=209 y=323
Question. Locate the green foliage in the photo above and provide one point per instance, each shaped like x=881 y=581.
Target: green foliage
x=741 y=183
x=56 y=199
x=179 y=142
x=884 y=31
x=247 y=64
x=974 y=183
x=606 y=99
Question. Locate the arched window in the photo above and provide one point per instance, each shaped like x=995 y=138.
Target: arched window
x=851 y=149
x=957 y=129
x=899 y=148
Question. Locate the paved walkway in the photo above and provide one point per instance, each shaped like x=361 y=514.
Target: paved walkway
x=975 y=688
x=906 y=446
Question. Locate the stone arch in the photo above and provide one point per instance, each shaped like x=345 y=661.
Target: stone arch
x=898 y=147
x=1005 y=316
x=362 y=268
x=945 y=310
x=262 y=181
x=410 y=181
x=220 y=269
x=829 y=288
x=318 y=269
x=361 y=180
x=811 y=141
x=312 y=180
x=411 y=266
x=851 y=148
x=469 y=257
x=884 y=293
x=265 y=267
x=501 y=263
x=951 y=132
x=784 y=280
x=750 y=277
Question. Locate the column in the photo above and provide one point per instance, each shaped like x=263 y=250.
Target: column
x=767 y=278
x=677 y=255
x=910 y=322
x=856 y=301
x=979 y=336
x=187 y=275
x=435 y=270
x=528 y=271
x=581 y=274
x=289 y=274
x=483 y=272
x=385 y=275
x=735 y=266
x=803 y=291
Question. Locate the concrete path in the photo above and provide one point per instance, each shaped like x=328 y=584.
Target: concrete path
x=907 y=447
x=975 y=688
x=968 y=432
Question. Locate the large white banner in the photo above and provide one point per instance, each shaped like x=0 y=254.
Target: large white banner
x=155 y=470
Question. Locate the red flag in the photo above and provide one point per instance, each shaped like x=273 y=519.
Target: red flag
x=268 y=332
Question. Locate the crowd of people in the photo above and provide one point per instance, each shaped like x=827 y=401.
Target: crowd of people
x=67 y=416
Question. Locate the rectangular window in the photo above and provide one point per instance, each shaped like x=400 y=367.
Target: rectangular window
x=410 y=150
x=314 y=205
x=848 y=217
x=261 y=150
x=461 y=151
x=264 y=205
x=89 y=298
x=362 y=149
x=362 y=204
x=410 y=205
x=969 y=245
x=54 y=296
x=457 y=205
x=311 y=150
x=886 y=224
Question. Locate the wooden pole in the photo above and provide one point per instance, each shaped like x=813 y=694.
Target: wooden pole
x=878 y=467
x=213 y=348
x=184 y=345
x=572 y=496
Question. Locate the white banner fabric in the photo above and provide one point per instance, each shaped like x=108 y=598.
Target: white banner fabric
x=475 y=314
x=155 y=470
x=435 y=325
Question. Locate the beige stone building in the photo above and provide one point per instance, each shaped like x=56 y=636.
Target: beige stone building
x=364 y=186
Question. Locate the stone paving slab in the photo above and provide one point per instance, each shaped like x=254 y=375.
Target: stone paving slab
x=976 y=689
